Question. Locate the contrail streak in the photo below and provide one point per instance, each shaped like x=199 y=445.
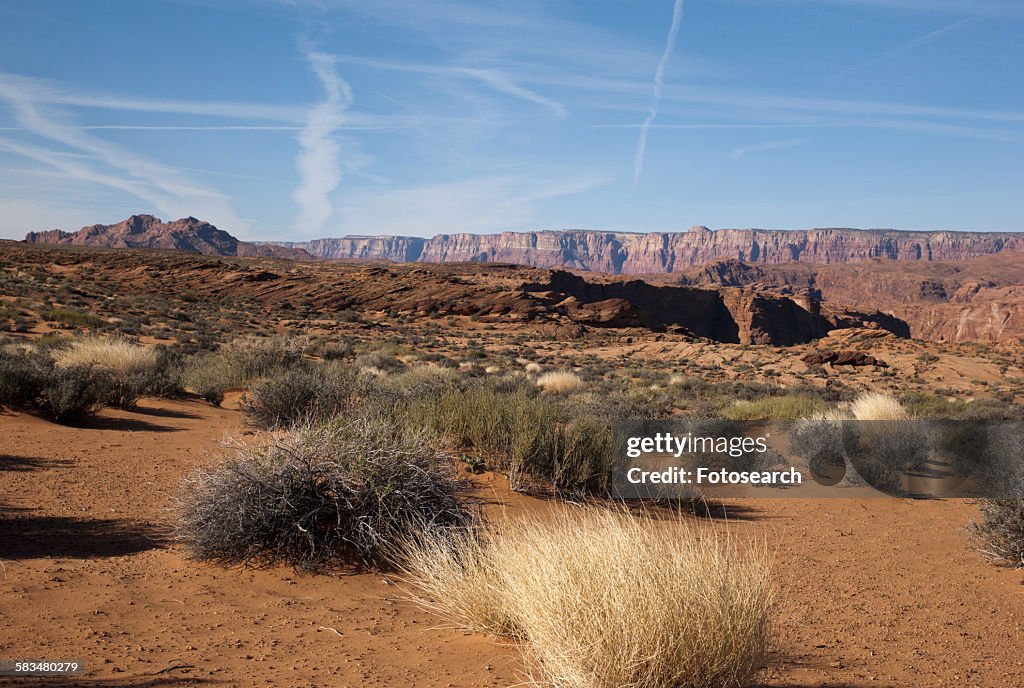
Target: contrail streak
x=659 y=75
x=318 y=161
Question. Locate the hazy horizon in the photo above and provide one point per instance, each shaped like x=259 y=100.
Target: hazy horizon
x=291 y=120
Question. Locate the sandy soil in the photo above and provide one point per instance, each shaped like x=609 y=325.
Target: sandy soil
x=872 y=593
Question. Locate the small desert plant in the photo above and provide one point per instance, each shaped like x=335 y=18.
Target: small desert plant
x=116 y=355
x=23 y=374
x=877 y=406
x=209 y=376
x=530 y=436
x=379 y=360
x=253 y=357
x=560 y=382
x=69 y=317
x=602 y=598
x=340 y=494
x=132 y=369
x=1000 y=531
x=300 y=397
x=788 y=407
x=75 y=391
x=29 y=380
x=881 y=448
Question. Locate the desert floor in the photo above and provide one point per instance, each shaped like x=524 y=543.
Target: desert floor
x=871 y=593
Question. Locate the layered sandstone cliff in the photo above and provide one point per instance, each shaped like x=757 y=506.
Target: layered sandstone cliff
x=664 y=252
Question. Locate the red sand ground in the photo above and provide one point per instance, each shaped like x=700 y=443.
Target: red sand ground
x=873 y=593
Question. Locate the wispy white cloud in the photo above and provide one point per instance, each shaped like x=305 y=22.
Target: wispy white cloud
x=896 y=124
x=318 y=159
x=767 y=146
x=47 y=92
x=502 y=83
x=485 y=204
x=996 y=8
x=493 y=78
x=659 y=79
x=925 y=39
x=163 y=188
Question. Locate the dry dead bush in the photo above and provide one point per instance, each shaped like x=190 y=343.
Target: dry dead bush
x=560 y=382
x=999 y=533
x=601 y=599
x=322 y=497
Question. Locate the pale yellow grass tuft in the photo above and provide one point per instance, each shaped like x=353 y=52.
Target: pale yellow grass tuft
x=878 y=406
x=560 y=382
x=492 y=369
x=116 y=355
x=601 y=599
x=534 y=367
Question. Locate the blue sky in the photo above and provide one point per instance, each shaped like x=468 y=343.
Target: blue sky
x=305 y=118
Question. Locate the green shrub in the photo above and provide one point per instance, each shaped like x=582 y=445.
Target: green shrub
x=788 y=407
x=254 y=358
x=238 y=363
x=22 y=378
x=209 y=376
x=531 y=436
x=69 y=317
x=75 y=391
x=30 y=381
x=299 y=397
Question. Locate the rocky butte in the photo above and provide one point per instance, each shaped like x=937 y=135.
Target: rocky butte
x=146 y=231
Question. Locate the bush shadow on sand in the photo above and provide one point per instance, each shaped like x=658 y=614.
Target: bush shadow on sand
x=28 y=536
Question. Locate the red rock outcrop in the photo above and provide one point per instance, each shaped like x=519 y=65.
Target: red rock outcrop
x=723 y=314
x=978 y=299
x=146 y=231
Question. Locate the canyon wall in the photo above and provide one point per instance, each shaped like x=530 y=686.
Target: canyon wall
x=665 y=252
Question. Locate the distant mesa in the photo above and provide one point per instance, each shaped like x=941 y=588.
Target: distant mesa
x=146 y=231
x=667 y=252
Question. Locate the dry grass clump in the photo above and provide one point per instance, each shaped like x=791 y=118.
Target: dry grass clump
x=878 y=406
x=533 y=368
x=602 y=599
x=118 y=356
x=130 y=370
x=560 y=382
x=316 y=498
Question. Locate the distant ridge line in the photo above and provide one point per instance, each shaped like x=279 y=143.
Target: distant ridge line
x=665 y=252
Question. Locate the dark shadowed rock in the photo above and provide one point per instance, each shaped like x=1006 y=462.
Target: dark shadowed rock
x=847 y=358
